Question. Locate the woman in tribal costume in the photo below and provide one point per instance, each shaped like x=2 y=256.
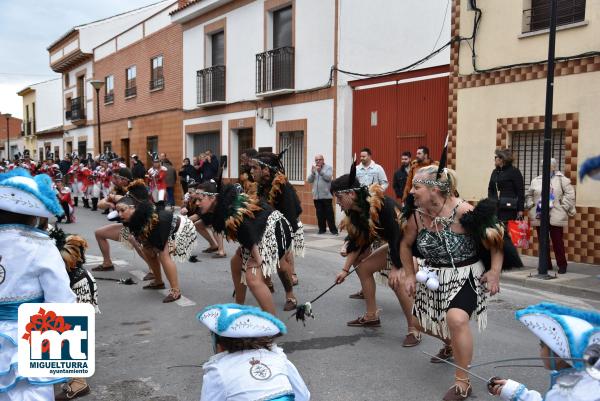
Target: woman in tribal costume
x=463 y=251
x=373 y=243
x=264 y=235
x=162 y=235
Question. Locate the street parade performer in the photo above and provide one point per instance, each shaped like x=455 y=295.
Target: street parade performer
x=246 y=179
x=463 y=251
x=121 y=179
x=565 y=335
x=264 y=235
x=157 y=181
x=373 y=244
x=63 y=193
x=247 y=364
x=162 y=235
x=275 y=188
x=72 y=250
x=31 y=271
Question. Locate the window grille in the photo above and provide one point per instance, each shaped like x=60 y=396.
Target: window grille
x=293 y=159
x=538 y=16
x=528 y=152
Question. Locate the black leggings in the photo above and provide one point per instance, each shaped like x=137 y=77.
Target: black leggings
x=466 y=299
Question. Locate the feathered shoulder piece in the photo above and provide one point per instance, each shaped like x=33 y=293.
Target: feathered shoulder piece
x=72 y=248
x=143 y=220
x=362 y=223
x=250 y=187
x=409 y=207
x=233 y=206
x=276 y=188
x=483 y=224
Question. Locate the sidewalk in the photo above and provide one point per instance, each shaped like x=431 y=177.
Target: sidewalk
x=581 y=280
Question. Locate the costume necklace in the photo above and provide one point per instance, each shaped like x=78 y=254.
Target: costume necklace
x=436 y=219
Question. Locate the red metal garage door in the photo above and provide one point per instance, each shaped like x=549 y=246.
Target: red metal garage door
x=400 y=115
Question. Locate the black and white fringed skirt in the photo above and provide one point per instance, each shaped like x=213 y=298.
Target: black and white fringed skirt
x=183 y=239
x=298 y=240
x=85 y=287
x=275 y=242
x=431 y=306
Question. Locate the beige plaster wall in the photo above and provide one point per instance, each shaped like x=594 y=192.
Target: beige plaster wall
x=499 y=40
x=480 y=108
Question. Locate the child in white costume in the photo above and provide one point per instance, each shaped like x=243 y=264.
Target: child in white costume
x=31 y=270
x=248 y=366
x=565 y=334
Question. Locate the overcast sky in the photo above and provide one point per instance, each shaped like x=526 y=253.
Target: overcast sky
x=27 y=27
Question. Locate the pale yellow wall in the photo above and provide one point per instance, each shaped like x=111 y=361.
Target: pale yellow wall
x=29 y=142
x=498 y=41
x=480 y=108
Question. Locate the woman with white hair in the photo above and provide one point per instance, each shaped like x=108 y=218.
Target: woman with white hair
x=562 y=206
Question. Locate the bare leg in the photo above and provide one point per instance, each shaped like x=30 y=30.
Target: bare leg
x=285 y=274
x=406 y=302
x=258 y=287
x=462 y=341
x=365 y=271
x=236 y=276
x=219 y=241
x=103 y=234
x=153 y=262
x=169 y=266
x=203 y=231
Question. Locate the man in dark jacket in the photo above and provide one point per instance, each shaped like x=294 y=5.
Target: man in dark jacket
x=210 y=167
x=171 y=180
x=137 y=167
x=507 y=186
x=65 y=165
x=401 y=175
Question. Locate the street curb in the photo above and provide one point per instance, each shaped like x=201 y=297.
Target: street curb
x=547 y=285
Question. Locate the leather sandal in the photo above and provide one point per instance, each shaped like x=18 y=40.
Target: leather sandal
x=210 y=249
x=154 y=286
x=445 y=354
x=174 y=295
x=358 y=295
x=412 y=339
x=294 y=279
x=70 y=392
x=363 y=322
x=101 y=268
x=219 y=255
x=456 y=393
x=290 y=304
x=148 y=276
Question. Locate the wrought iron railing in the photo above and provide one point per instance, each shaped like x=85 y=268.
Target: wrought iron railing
x=77 y=109
x=157 y=83
x=275 y=70
x=538 y=16
x=109 y=98
x=28 y=128
x=210 y=84
x=528 y=151
x=131 y=91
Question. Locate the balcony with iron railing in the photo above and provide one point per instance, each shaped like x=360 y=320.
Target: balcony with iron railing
x=537 y=17
x=28 y=128
x=210 y=85
x=275 y=71
x=131 y=91
x=77 y=112
x=157 y=83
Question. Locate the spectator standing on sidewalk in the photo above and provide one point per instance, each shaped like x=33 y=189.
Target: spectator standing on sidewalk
x=210 y=167
x=320 y=178
x=421 y=160
x=562 y=206
x=368 y=172
x=186 y=173
x=170 y=179
x=507 y=187
x=401 y=175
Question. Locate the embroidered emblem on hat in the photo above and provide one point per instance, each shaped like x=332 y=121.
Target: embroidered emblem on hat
x=259 y=370
x=2 y=272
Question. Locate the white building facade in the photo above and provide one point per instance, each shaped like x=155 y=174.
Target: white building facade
x=261 y=73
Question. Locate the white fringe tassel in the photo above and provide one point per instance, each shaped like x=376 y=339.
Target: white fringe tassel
x=431 y=306
x=298 y=240
x=267 y=247
x=181 y=247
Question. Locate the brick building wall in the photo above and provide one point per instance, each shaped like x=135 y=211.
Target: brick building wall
x=14 y=128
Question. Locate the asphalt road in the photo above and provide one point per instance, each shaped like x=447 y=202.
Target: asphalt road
x=147 y=350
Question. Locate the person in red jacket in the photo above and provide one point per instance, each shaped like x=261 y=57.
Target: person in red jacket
x=63 y=194
x=156 y=179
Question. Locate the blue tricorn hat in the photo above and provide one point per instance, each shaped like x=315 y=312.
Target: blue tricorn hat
x=23 y=194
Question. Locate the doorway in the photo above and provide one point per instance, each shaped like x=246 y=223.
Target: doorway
x=125 y=149
x=241 y=140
